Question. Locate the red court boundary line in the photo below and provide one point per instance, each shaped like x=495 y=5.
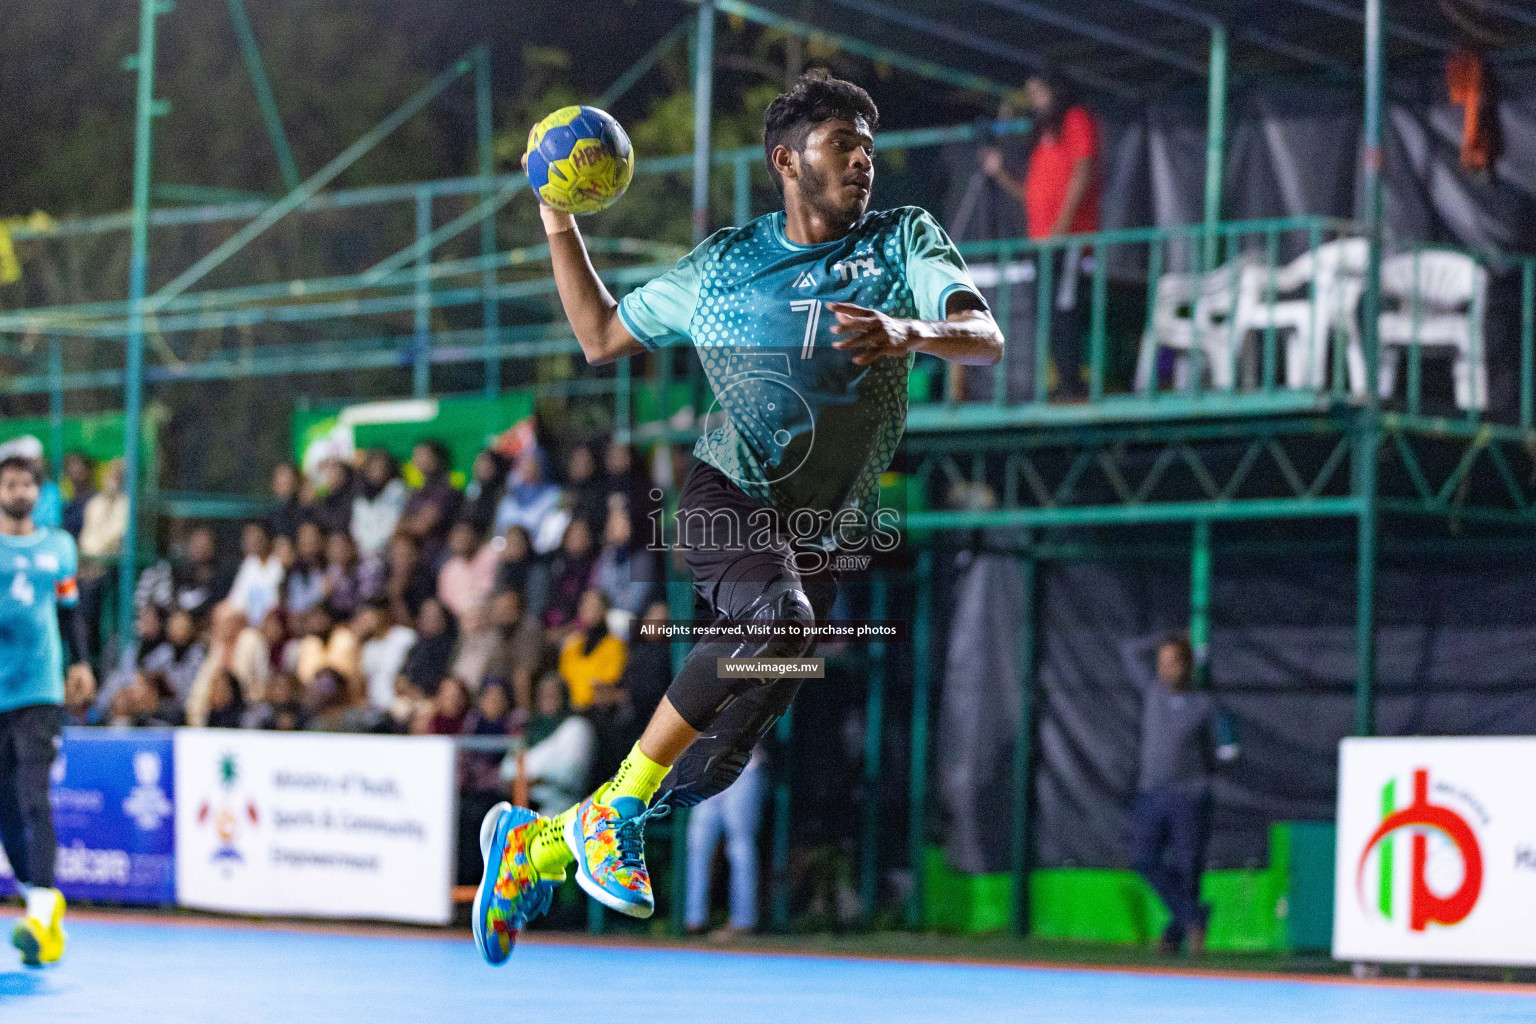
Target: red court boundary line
x=597 y=941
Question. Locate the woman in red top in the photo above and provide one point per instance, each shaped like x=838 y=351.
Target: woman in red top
x=1060 y=195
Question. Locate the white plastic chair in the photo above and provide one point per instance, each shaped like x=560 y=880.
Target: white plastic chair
x=1173 y=327
x=1330 y=281
x=1440 y=298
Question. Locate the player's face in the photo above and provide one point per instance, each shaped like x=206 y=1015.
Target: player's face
x=837 y=169
x=18 y=492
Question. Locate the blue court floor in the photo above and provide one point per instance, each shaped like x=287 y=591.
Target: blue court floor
x=131 y=972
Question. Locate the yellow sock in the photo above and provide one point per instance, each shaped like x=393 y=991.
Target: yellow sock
x=547 y=848
x=638 y=777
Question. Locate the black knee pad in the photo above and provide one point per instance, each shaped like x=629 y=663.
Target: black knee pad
x=784 y=602
x=720 y=754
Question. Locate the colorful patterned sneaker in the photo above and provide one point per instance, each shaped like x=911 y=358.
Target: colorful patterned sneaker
x=608 y=842
x=511 y=893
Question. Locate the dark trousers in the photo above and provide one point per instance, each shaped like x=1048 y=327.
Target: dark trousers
x=29 y=738
x=1168 y=833
x=1068 y=338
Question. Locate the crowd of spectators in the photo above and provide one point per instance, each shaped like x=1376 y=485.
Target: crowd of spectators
x=366 y=603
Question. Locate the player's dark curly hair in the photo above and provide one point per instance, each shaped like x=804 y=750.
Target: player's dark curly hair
x=22 y=463
x=816 y=97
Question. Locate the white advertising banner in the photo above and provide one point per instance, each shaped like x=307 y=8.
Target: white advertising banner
x=1436 y=854
x=315 y=824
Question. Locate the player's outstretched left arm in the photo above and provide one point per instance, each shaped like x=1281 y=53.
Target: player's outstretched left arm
x=967 y=334
x=72 y=629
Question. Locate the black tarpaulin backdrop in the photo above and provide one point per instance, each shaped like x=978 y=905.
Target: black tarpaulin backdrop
x=1457 y=655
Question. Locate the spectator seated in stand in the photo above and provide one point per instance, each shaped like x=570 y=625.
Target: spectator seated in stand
x=560 y=748
x=78 y=487
x=100 y=545
x=465 y=578
x=533 y=503
x=385 y=643
x=626 y=572
x=147 y=702
x=410 y=579
x=487 y=481
x=340 y=586
x=377 y=504
x=325 y=644
x=304 y=585
x=586 y=493
x=430 y=657
x=332 y=511
x=226 y=704
x=450 y=708
x=257 y=585
x=505 y=644
x=592 y=659
x=571 y=575
x=336 y=704
x=287 y=513
x=194 y=582
x=281 y=706
x=519 y=569
x=432 y=507
x=410 y=707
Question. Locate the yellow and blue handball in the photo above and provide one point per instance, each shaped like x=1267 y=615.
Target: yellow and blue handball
x=579 y=160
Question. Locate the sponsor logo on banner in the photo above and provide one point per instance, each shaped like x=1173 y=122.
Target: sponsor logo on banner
x=315 y=824
x=112 y=809
x=1436 y=851
x=229 y=814
x=1421 y=823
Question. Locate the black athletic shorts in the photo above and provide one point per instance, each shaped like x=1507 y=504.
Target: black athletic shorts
x=30 y=735
x=727 y=552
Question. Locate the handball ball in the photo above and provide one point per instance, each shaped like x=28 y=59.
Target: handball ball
x=579 y=160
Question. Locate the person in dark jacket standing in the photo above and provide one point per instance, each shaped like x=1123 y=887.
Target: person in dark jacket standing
x=1183 y=735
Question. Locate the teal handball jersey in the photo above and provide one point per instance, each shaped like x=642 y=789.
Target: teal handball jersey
x=37 y=576
x=803 y=427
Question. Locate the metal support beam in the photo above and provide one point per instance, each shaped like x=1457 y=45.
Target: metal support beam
x=421 y=342
x=1030 y=59
x=1215 y=141
x=1020 y=844
x=485 y=153
x=1258 y=37
x=1200 y=604
x=56 y=401
x=1139 y=45
x=917 y=782
x=1368 y=438
x=703 y=88
x=879 y=54
x=138 y=284
x=874 y=735
x=784 y=735
x=1370 y=302
x=741 y=190
x=317 y=181
x=1368 y=443
x=251 y=53
x=1349 y=12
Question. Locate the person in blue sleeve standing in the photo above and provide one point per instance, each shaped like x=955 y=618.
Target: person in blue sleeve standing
x=38 y=599
x=807 y=321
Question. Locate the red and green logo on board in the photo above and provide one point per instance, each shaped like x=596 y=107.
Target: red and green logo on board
x=1440 y=839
